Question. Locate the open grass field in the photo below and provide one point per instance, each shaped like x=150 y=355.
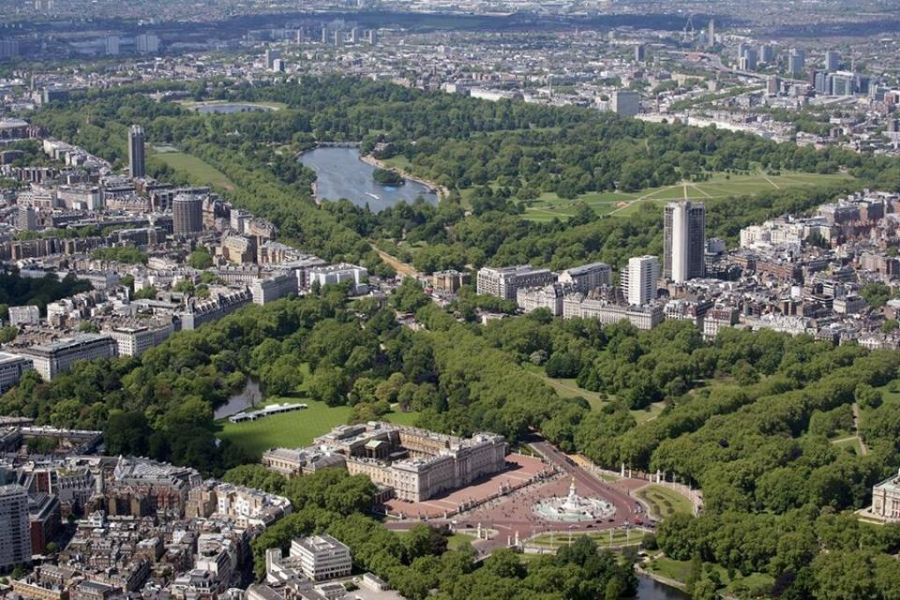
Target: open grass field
x=549 y=206
x=664 y=502
x=293 y=429
x=198 y=171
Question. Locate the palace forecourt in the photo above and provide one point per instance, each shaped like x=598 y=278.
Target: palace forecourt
x=419 y=473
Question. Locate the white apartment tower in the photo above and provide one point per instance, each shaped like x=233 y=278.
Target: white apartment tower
x=639 y=279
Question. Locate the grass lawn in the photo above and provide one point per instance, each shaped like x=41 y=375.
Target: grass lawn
x=566 y=388
x=458 y=539
x=619 y=538
x=293 y=429
x=664 y=502
x=198 y=171
x=290 y=430
x=673 y=569
x=398 y=162
x=679 y=570
x=622 y=204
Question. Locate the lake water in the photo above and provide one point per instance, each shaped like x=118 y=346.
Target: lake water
x=243 y=400
x=341 y=174
x=649 y=589
x=230 y=108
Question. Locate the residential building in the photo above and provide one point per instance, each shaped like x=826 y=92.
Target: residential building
x=625 y=103
x=449 y=281
x=239 y=249
x=200 y=312
x=24 y=315
x=796 y=62
x=136 y=162
x=322 y=557
x=639 y=280
x=684 y=241
x=644 y=317
x=136 y=339
x=587 y=277
x=270 y=57
x=273 y=288
x=44 y=520
x=187 y=214
x=146 y=43
x=549 y=297
x=504 y=282
x=15 y=540
x=58 y=357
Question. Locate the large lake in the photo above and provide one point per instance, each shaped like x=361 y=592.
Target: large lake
x=341 y=174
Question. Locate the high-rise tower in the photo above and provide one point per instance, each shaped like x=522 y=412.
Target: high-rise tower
x=15 y=533
x=136 y=166
x=685 y=241
x=638 y=279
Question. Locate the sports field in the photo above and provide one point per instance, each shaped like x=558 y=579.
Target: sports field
x=198 y=171
x=293 y=429
x=549 y=206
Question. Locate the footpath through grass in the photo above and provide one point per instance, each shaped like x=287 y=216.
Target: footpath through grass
x=622 y=204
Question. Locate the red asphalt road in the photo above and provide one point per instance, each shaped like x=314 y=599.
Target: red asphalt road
x=514 y=513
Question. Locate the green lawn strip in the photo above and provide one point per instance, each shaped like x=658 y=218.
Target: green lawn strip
x=198 y=171
x=459 y=539
x=567 y=388
x=602 y=538
x=664 y=502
